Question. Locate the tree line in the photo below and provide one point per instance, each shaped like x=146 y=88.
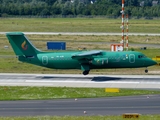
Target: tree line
x=135 y=8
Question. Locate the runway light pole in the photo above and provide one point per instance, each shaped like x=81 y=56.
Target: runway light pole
x=122 y=24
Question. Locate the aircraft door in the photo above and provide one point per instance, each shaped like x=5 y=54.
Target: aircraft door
x=44 y=60
x=132 y=58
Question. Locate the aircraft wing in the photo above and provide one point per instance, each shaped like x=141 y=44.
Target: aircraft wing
x=86 y=54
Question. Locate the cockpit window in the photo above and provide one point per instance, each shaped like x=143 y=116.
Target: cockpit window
x=141 y=56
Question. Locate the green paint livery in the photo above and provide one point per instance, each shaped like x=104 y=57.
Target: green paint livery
x=84 y=60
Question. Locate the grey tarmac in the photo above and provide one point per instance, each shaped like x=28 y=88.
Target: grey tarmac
x=145 y=104
x=79 y=80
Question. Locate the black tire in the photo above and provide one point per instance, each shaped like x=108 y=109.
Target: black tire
x=86 y=72
x=146 y=71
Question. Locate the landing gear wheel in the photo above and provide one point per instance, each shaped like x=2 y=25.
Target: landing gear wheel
x=146 y=71
x=86 y=72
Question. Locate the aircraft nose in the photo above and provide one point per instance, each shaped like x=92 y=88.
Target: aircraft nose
x=154 y=62
x=151 y=62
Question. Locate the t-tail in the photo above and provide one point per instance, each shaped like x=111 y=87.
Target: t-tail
x=21 y=45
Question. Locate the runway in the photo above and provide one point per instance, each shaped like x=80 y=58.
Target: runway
x=73 y=80
x=92 y=106
x=145 y=104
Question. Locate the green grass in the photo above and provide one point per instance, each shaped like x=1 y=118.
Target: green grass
x=151 y=52
x=36 y=93
x=77 y=25
x=119 y=117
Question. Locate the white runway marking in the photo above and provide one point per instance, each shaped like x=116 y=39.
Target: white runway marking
x=72 y=80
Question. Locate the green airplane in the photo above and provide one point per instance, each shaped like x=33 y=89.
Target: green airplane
x=84 y=60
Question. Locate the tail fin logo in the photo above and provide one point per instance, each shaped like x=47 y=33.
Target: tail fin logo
x=24 y=46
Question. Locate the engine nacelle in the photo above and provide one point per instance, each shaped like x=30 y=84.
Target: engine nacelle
x=99 y=61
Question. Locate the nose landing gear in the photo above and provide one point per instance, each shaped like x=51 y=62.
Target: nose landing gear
x=146 y=70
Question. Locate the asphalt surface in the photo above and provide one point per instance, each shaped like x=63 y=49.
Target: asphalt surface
x=79 y=80
x=148 y=104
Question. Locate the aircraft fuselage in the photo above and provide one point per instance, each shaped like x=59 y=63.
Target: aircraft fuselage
x=64 y=60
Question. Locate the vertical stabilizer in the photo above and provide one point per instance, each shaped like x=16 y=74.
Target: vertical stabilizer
x=21 y=45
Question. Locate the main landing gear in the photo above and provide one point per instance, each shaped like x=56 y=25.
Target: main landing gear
x=86 y=72
x=146 y=70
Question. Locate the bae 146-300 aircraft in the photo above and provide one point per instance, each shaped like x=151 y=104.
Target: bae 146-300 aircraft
x=84 y=60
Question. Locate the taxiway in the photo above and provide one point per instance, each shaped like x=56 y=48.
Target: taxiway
x=146 y=104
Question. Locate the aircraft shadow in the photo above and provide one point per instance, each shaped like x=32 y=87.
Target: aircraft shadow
x=102 y=79
x=96 y=79
x=52 y=77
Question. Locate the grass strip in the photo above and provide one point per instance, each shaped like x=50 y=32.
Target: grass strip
x=36 y=93
x=77 y=25
x=119 y=117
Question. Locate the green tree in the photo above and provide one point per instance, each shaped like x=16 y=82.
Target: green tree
x=45 y=12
